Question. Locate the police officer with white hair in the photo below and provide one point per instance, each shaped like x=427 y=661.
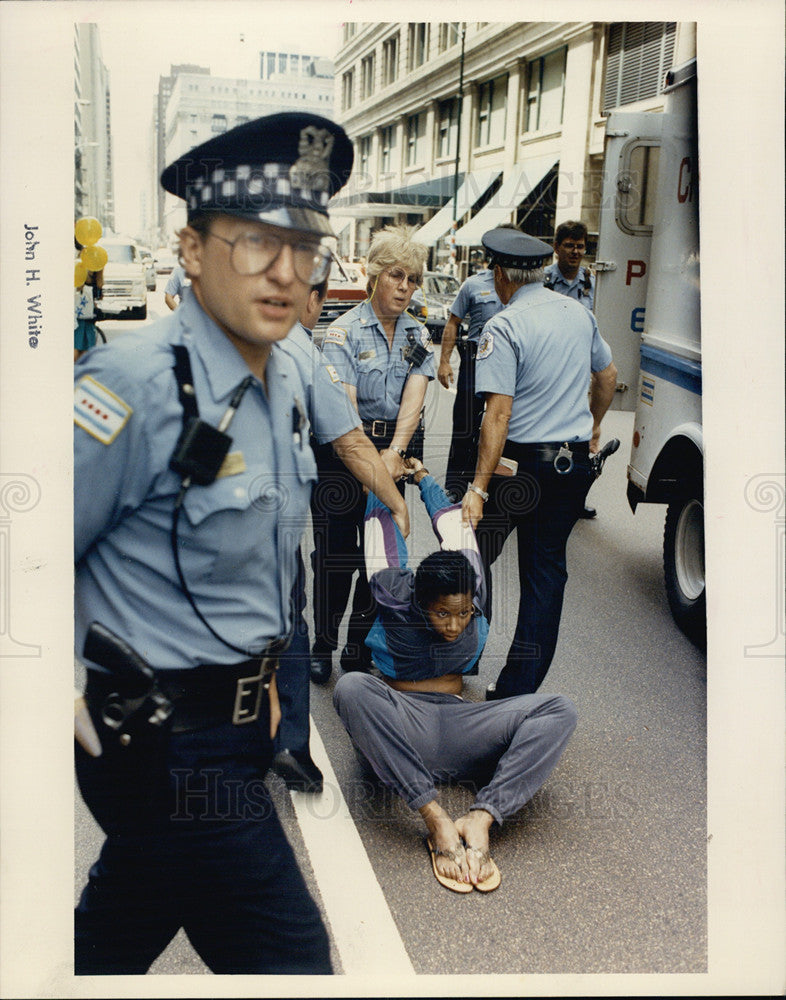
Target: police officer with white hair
x=534 y=362
x=192 y=480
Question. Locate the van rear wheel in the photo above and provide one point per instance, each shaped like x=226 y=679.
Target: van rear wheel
x=683 y=566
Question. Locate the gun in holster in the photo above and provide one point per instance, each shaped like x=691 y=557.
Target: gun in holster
x=125 y=705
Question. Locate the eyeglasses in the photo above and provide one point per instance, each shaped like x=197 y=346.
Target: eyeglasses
x=254 y=253
x=396 y=276
x=567 y=245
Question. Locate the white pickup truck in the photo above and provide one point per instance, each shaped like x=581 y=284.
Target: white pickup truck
x=124 y=295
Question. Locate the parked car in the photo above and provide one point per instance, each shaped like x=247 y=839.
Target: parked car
x=124 y=294
x=150 y=268
x=346 y=288
x=432 y=301
x=165 y=260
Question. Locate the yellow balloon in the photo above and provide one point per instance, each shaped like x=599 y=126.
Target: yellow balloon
x=94 y=258
x=80 y=274
x=88 y=230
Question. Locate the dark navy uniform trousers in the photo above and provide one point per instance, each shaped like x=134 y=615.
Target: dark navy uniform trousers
x=543 y=507
x=193 y=841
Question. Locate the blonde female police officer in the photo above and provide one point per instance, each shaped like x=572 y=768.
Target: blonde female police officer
x=197 y=576
x=377 y=351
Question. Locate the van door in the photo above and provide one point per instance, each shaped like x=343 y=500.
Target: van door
x=627 y=212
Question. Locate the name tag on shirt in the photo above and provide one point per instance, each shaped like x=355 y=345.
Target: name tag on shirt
x=233 y=465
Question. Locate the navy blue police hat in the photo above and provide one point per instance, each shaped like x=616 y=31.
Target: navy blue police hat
x=512 y=248
x=281 y=169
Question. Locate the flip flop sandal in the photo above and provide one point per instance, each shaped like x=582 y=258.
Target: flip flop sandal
x=450 y=883
x=494 y=879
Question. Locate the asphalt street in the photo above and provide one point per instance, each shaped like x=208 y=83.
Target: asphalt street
x=604 y=870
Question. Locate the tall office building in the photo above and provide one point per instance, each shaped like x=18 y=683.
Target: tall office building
x=93 y=184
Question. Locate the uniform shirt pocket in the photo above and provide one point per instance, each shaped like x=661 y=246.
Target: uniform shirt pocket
x=223 y=528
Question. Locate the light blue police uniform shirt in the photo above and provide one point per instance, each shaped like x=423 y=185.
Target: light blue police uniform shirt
x=178 y=283
x=540 y=349
x=238 y=536
x=477 y=297
x=356 y=351
x=575 y=289
x=329 y=408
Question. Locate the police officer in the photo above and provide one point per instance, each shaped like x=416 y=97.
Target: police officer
x=477 y=298
x=177 y=286
x=185 y=549
x=330 y=414
x=535 y=360
x=378 y=351
x=568 y=277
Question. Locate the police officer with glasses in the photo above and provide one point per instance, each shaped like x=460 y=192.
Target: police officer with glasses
x=534 y=362
x=193 y=473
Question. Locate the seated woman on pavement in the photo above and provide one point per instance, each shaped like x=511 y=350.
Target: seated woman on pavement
x=412 y=724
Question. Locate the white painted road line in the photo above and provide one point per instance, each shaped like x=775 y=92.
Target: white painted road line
x=363 y=928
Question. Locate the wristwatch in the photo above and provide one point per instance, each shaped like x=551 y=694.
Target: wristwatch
x=481 y=493
x=398 y=451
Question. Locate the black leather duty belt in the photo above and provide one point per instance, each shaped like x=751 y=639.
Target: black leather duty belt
x=203 y=696
x=379 y=428
x=560 y=454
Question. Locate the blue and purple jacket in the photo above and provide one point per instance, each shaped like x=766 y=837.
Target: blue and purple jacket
x=402 y=642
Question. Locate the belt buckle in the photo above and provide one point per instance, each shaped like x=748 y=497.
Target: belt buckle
x=563 y=461
x=374 y=431
x=251 y=688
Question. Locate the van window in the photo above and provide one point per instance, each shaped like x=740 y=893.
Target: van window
x=637 y=187
x=121 y=253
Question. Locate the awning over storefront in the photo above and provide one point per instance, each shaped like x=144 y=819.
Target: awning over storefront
x=523 y=179
x=416 y=198
x=474 y=186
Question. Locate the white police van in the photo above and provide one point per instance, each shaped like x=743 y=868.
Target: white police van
x=647 y=305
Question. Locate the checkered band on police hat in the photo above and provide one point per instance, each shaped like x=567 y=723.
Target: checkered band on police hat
x=282 y=169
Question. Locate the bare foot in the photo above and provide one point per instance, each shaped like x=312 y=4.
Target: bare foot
x=474 y=828
x=451 y=859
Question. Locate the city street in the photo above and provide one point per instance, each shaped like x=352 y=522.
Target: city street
x=604 y=870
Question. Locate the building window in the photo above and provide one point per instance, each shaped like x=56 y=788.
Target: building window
x=218 y=123
x=347 y=85
x=389 y=60
x=416 y=131
x=367 y=76
x=492 y=100
x=639 y=53
x=448 y=127
x=388 y=147
x=364 y=156
x=417 y=45
x=349 y=30
x=545 y=91
x=449 y=32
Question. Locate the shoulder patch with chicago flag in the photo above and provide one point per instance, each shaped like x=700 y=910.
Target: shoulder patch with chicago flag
x=98 y=410
x=334 y=376
x=336 y=336
x=486 y=345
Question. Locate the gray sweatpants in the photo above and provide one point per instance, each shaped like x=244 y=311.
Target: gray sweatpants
x=412 y=741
